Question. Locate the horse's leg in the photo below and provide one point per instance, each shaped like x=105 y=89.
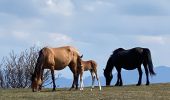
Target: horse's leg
x=98 y=79
x=72 y=70
x=75 y=72
x=93 y=79
x=98 y=82
x=42 y=71
x=120 y=77
x=76 y=80
x=73 y=82
x=140 y=76
x=53 y=79
x=146 y=72
x=81 y=80
x=117 y=83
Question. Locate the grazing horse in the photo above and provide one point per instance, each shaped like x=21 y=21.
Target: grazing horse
x=56 y=59
x=91 y=66
x=129 y=60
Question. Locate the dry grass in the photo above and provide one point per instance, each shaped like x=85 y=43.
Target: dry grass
x=130 y=92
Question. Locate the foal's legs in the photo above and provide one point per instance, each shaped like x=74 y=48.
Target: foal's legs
x=140 y=76
x=146 y=72
x=97 y=79
x=93 y=79
x=53 y=78
x=81 y=80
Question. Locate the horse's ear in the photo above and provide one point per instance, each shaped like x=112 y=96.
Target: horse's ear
x=81 y=56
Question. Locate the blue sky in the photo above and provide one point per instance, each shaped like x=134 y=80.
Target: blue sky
x=94 y=27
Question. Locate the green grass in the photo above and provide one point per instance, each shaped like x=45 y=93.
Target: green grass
x=130 y=92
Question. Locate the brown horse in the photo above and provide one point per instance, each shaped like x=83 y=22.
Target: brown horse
x=56 y=59
x=91 y=66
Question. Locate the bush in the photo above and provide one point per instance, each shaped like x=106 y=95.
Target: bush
x=15 y=70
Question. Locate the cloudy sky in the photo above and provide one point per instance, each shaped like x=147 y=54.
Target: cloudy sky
x=95 y=27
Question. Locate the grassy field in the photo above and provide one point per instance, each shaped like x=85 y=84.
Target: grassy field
x=130 y=92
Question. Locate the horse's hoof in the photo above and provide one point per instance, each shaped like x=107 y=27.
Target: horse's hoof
x=138 y=84
x=81 y=89
x=100 y=88
x=53 y=90
x=116 y=85
x=147 y=84
x=70 y=89
x=120 y=84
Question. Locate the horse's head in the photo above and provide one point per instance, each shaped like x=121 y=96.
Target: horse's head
x=79 y=61
x=35 y=85
x=108 y=76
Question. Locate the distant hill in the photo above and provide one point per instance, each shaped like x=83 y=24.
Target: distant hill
x=128 y=77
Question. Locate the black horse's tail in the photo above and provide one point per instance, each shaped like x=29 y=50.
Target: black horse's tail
x=148 y=60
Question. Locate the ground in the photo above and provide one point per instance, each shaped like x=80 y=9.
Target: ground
x=129 y=92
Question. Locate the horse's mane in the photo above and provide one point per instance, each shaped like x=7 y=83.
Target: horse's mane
x=74 y=49
x=117 y=50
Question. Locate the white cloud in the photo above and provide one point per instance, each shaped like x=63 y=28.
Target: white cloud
x=89 y=8
x=152 y=39
x=97 y=5
x=20 y=35
x=51 y=39
x=62 y=7
x=104 y=3
x=58 y=39
x=14 y=35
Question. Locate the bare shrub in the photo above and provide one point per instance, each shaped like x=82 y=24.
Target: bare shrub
x=17 y=69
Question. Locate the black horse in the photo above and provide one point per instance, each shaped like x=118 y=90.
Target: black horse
x=129 y=60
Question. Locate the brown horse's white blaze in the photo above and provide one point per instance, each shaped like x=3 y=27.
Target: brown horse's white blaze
x=92 y=67
x=56 y=59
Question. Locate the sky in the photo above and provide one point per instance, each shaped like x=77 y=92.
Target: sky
x=94 y=27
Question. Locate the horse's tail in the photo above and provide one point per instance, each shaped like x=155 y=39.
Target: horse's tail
x=94 y=67
x=148 y=60
x=94 y=64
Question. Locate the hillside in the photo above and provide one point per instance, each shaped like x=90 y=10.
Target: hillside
x=131 y=92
